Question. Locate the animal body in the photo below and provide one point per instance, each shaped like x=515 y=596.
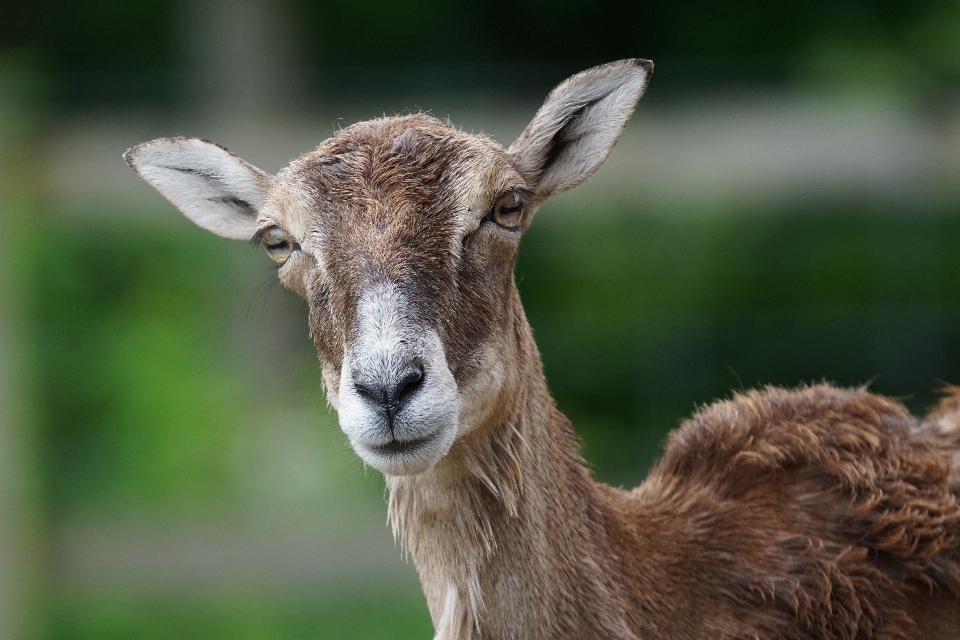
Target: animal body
x=810 y=513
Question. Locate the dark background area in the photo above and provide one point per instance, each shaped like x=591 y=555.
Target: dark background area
x=84 y=36
x=87 y=48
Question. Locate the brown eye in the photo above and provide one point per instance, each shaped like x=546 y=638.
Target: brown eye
x=279 y=244
x=508 y=210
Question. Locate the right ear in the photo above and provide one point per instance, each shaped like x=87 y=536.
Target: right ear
x=578 y=124
x=211 y=186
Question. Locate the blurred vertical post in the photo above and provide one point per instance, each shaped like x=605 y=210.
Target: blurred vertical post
x=242 y=54
x=20 y=570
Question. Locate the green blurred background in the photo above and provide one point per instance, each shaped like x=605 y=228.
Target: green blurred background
x=783 y=208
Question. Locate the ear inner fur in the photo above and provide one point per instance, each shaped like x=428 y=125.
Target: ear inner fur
x=211 y=186
x=587 y=111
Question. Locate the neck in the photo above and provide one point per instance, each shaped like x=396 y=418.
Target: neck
x=509 y=534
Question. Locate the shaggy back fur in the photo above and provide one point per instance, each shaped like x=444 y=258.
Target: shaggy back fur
x=845 y=507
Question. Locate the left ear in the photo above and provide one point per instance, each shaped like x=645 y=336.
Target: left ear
x=578 y=124
x=211 y=186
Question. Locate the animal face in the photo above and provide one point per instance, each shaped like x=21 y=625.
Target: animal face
x=401 y=235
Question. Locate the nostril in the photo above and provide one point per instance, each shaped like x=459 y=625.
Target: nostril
x=407 y=384
x=370 y=390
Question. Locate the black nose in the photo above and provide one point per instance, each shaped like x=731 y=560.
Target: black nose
x=390 y=394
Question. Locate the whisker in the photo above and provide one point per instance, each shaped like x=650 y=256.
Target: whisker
x=355 y=460
x=263 y=291
x=271 y=289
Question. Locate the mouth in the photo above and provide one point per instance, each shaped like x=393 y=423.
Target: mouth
x=402 y=447
x=408 y=455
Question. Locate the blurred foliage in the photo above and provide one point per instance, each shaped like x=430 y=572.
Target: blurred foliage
x=383 y=614
x=377 y=31
x=86 y=34
x=845 y=41
x=137 y=397
x=21 y=522
x=137 y=378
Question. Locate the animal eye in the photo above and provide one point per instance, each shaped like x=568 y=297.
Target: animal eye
x=508 y=210
x=279 y=244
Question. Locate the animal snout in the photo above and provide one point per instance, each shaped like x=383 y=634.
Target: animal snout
x=389 y=393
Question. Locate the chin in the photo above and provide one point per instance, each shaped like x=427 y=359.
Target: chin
x=409 y=456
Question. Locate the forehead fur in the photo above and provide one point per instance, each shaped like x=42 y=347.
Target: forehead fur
x=390 y=165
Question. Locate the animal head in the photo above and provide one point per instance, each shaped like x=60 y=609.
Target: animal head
x=401 y=234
